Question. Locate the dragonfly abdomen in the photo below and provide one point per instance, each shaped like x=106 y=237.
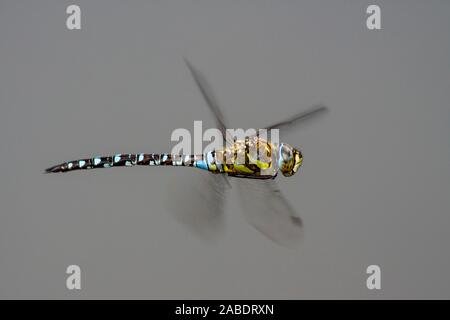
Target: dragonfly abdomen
x=129 y=160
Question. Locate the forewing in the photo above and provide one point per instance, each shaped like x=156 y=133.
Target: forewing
x=266 y=209
x=209 y=98
x=295 y=120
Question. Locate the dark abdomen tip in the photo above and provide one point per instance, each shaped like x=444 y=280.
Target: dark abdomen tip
x=57 y=168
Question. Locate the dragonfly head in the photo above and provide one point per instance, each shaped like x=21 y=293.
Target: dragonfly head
x=290 y=159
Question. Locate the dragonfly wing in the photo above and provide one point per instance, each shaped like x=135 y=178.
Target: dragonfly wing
x=196 y=199
x=266 y=209
x=209 y=98
x=298 y=118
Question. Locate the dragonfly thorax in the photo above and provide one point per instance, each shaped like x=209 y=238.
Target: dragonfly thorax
x=289 y=160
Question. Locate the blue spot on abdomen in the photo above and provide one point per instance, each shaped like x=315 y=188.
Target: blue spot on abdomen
x=201 y=165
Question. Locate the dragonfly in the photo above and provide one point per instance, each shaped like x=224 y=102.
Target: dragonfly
x=265 y=207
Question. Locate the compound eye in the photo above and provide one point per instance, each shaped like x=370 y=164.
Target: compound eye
x=286 y=153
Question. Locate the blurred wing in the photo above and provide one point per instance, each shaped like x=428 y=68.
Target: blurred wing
x=196 y=199
x=295 y=120
x=211 y=102
x=266 y=209
x=212 y=105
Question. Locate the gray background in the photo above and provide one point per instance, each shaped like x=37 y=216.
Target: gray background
x=374 y=188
